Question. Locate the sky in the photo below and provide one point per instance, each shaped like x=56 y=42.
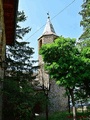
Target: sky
x=65 y=20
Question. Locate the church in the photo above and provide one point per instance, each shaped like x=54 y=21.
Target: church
x=55 y=93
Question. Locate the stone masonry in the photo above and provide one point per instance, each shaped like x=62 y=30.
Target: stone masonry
x=56 y=94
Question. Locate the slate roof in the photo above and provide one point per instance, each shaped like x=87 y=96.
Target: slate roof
x=49 y=29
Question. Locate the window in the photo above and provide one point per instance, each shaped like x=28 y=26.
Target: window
x=40 y=43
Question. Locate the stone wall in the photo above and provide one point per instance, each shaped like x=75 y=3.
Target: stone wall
x=56 y=95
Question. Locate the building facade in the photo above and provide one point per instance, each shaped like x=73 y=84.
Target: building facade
x=8 y=13
x=56 y=94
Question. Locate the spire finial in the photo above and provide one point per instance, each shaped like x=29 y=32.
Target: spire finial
x=48 y=15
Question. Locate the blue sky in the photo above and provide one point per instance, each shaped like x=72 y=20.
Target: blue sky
x=67 y=23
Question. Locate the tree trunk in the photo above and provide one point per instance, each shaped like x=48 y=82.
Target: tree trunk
x=47 y=106
x=82 y=106
x=73 y=103
x=69 y=103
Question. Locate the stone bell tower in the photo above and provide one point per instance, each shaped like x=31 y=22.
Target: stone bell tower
x=55 y=93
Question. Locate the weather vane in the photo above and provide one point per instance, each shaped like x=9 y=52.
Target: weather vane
x=48 y=15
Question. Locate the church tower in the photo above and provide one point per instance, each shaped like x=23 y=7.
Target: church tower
x=48 y=35
x=58 y=102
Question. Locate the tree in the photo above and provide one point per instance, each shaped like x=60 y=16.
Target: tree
x=85 y=22
x=84 y=43
x=19 y=94
x=85 y=53
x=64 y=64
x=85 y=12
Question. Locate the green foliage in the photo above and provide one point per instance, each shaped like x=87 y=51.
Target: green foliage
x=18 y=100
x=20 y=32
x=68 y=65
x=84 y=45
x=19 y=96
x=55 y=116
x=65 y=116
x=63 y=61
x=85 y=12
x=85 y=54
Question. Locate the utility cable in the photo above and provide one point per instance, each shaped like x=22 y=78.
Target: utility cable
x=51 y=19
x=63 y=9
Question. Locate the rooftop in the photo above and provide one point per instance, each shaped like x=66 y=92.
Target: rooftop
x=49 y=29
x=10 y=12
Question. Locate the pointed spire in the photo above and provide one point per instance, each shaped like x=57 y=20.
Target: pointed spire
x=49 y=29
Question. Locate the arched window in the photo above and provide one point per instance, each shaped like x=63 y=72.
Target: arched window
x=40 y=43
